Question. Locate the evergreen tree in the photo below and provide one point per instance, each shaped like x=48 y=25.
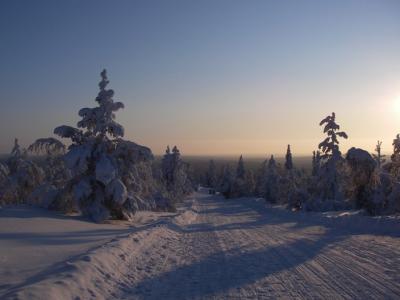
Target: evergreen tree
x=330 y=146
x=54 y=167
x=23 y=176
x=331 y=157
x=16 y=151
x=288 y=161
x=271 y=192
x=396 y=149
x=226 y=182
x=102 y=164
x=175 y=175
x=316 y=162
x=379 y=157
x=250 y=183
x=243 y=184
x=394 y=166
x=240 y=171
x=260 y=179
x=211 y=175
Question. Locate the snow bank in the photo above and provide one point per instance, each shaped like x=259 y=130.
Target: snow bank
x=95 y=273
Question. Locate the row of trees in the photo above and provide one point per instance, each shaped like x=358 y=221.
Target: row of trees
x=100 y=174
x=356 y=180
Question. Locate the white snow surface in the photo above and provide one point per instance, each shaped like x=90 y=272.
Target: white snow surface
x=212 y=248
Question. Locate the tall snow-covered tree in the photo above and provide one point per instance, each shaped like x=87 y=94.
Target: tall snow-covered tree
x=330 y=145
x=288 y=159
x=93 y=158
x=329 y=188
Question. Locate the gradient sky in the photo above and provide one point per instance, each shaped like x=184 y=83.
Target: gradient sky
x=213 y=77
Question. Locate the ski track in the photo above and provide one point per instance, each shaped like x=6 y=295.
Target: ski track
x=239 y=249
x=231 y=251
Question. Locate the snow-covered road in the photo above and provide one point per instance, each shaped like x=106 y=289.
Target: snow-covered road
x=238 y=249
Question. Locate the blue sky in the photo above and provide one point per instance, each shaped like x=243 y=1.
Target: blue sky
x=213 y=77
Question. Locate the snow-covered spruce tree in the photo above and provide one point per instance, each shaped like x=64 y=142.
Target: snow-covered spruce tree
x=225 y=186
x=288 y=181
x=329 y=192
x=316 y=163
x=240 y=186
x=392 y=201
x=288 y=159
x=97 y=187
x=4 y=173
x=56 y=174
x=379 y=157
x=23 y=176
x=261 y=176
x=250 y=180
x=394 y=166
x=211 y=175
x=175 y=175
x=53 y=165
x=240 y=171
x=271 y=189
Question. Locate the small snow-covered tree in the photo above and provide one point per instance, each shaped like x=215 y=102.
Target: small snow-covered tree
x=23 y=176
x=4 y=173
x=175 y=175
x=379 y=157
x=288 y=159
x=53 y=149
x=240 y=171
x=227 y=180
x=56 y=174
x=271 y=190
x=241 y=183
x=260 y=179
x=250 y=180
x=97 y=186
x=211 y=175
x=316 y=163
x=394 y=166
x=396 y=148
x=287 y=182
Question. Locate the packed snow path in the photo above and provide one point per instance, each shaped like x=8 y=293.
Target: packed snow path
x=240 y=249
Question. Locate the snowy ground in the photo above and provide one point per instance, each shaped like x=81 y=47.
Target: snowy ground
x=227 y=249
